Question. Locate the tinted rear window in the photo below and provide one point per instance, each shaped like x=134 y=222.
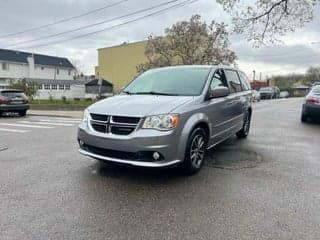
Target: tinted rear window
x=11 y=94
x=266 y=89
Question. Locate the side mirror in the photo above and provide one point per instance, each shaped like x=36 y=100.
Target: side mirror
x=218 y=92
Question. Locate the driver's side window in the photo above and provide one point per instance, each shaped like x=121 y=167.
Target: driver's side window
x=218 y=80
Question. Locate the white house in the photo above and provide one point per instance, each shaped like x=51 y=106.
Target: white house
x=54 y=76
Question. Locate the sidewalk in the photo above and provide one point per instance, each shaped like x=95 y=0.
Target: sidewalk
x=68 y=114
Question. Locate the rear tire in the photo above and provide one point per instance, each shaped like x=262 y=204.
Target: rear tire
x=22 y=113
x=304 y=117
x=195 y=151
x=244 y=132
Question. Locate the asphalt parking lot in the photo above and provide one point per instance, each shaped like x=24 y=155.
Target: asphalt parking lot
x=264 y=187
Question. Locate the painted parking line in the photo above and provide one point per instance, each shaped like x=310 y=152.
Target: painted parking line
x=59 y=121
x=48 y=123
x=66 y=119
x=24 y=125
x=13 y=130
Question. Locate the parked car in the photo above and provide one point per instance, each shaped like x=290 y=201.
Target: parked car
x=12 y=100
x=267 y=93
x=284 y=94
x=311 y=105
x=256 y=96
x=168 y=116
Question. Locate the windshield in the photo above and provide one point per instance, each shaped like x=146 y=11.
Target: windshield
x=316 y=90
x=166 y=81
x=266 y=89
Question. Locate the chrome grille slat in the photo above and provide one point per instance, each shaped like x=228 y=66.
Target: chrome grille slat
x=118 y=125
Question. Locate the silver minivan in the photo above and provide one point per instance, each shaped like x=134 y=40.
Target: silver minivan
x=168 y=116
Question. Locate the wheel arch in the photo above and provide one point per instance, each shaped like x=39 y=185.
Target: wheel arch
x=196 y=120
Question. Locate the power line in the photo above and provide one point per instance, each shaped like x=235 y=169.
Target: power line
x=63 y=20
x=186 y=2
x=94 y=24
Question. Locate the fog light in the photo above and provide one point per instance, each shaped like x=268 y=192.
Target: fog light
x=156 y=156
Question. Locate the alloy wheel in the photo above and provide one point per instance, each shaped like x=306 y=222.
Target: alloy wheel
x=197 y=151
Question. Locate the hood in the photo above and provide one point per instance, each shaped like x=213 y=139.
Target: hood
x=139 y=105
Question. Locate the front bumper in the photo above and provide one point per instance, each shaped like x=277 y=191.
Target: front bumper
x=127 y=149
x=130 y=162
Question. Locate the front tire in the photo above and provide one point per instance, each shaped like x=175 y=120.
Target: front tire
x=244 y=132
x=304 y=117
x=195 y=151
x=22 y=113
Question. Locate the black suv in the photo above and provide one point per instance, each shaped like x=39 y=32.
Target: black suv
x=12 y=100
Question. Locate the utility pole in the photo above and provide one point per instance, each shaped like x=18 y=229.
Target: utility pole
x=254 y=75
x=99 y=87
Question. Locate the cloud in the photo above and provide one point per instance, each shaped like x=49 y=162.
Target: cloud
x=295 y=55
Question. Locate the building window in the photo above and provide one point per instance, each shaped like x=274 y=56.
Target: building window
x=54 y=86
x=67 y=87
x=57 y=70
x=61 y=87
x=47 y=87
x=5 y=66
x=39 y=86
x=69 y=72
x=42 y=68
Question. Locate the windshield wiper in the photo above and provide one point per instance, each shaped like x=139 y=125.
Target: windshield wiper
x=127 y=92
x=156 y=93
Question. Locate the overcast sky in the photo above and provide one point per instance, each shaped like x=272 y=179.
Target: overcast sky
x=295 y=55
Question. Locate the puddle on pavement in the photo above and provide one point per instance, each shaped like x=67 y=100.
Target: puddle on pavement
x=232 y=159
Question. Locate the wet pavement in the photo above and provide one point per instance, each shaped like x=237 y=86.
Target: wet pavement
x=264 y=187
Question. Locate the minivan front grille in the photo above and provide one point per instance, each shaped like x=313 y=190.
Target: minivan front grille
x=99 y=117
x=118 y=125
x=118 y=119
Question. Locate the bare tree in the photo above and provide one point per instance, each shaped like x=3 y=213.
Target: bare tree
x=264 y=21
x=189 y=42
x=312 y=75
x=78 y=66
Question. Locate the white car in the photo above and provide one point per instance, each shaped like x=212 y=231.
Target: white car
x=284 y=94
x=315 y=84
x=256 y=96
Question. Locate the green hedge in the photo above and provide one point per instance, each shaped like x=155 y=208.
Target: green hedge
x=61 y=103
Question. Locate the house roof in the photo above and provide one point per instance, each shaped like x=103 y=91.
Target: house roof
x=94 y=82
x=21 y=57
x=56 y=81
x=301 y=87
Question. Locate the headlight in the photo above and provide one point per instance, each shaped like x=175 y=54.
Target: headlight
x=162 y=122
x=86 y=115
